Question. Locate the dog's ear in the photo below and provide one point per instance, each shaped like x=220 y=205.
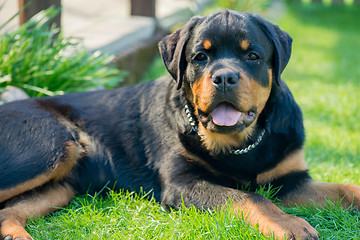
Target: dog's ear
x=281 y=42
x=172 y=50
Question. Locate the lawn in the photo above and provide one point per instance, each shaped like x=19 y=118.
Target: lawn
x=324 y=76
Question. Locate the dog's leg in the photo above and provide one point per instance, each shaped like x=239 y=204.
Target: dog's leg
x=33 y=204
x=59 y=169
x=313 y=192
x=305 y=191
x=259 y=211
x=37 y=196
x=250 y=207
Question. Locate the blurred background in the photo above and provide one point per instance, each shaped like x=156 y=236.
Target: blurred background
x=130 y=29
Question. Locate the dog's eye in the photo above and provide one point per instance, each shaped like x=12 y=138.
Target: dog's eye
x=253 y=56
x=200 y=57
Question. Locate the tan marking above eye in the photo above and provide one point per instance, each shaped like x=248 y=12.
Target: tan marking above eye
x=244 y=44
x=207 y=44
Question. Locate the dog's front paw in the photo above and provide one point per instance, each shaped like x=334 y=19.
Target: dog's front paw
x=290 y=228
x=12 y=231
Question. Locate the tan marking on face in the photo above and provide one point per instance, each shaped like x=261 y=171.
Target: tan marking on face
x=257 y=94
x=250 y=93
x=207 y=44
x=264 y=92
x=244 y=44
x=59 y=171
x=293 y=162
x=203 y=92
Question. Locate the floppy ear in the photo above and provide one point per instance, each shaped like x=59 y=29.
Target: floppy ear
x=281 y=42
x=172 y=50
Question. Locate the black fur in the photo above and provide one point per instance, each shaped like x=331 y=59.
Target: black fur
x=138 y=134
x=31 y=142
x=290 y=182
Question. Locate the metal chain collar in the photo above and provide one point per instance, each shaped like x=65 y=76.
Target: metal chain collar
x=237 y=151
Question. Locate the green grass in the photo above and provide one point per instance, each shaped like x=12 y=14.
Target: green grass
x=323 y=75
x=129 y=216
x=242 y=5
x=33 y=59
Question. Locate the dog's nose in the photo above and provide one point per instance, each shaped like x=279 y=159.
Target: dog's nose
x=224 y=79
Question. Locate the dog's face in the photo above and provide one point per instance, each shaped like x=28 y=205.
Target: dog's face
x=229 y=72
x=227 y=63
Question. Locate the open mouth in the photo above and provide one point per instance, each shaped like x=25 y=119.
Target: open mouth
x=226 y=115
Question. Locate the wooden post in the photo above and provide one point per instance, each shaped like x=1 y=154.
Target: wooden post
x=35 y=6
x=143 y=8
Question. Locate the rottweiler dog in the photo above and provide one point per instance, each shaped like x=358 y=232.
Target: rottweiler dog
x=219 y=126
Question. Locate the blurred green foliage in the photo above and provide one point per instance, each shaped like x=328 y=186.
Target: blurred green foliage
x=323 y=74
x=238 y=5
x=34 y=59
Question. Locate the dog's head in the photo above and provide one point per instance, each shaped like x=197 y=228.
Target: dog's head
x=227 y=63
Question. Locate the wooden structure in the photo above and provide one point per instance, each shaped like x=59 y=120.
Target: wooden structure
x=138 y=7
x=143 y=8
x=32 y=7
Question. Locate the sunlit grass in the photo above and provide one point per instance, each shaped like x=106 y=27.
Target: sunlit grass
x=324 y=77
x=130 y=216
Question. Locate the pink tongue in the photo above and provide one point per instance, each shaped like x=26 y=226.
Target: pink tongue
x=225 y=115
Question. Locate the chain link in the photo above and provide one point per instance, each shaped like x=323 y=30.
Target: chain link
x=235 y=152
